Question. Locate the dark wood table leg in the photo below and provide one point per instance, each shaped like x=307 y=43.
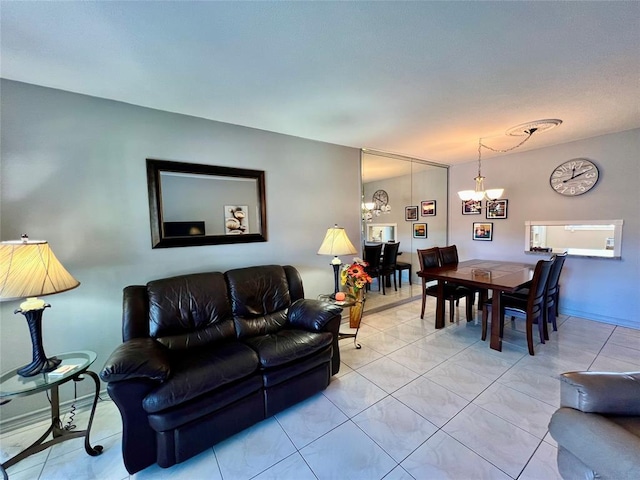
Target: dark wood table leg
x=440 y=305
x=496 y=307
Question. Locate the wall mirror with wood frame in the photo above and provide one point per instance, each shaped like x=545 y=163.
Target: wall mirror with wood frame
x=193 y=204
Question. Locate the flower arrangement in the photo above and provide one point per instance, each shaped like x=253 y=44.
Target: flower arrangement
x=354 y=277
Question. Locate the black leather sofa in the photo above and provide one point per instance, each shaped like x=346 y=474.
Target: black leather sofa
x=207 y=355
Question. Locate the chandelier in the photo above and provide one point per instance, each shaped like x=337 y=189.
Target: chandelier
x=491 y=194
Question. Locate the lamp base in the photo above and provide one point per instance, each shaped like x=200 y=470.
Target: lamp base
x=336 y=273
x=40 y=362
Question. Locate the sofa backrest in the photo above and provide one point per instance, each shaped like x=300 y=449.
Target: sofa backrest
x=260 y=298
x=200 y=308
x=190 y=310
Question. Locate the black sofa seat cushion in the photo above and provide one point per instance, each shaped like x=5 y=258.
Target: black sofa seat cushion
x=206 y=404
x=287 y=346
x=198 y=371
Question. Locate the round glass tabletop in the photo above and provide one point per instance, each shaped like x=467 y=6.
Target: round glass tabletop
x=13 y=385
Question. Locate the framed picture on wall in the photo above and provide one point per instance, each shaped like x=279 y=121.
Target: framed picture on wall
x=410 y=214
x=236 y=219
x=428 y=208
x=483 y=231
x=471 y=207
x=497 y=208
x=419 y=230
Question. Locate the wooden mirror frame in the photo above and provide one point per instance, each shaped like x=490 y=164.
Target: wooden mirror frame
x=158 y=238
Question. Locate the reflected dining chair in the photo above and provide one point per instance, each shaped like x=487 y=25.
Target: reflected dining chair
x=431 y=258
x=553 y=290
x=388 y=264
x=532 y=309
x=372 y=255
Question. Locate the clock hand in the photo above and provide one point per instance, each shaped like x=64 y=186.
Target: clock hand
x=575 y=176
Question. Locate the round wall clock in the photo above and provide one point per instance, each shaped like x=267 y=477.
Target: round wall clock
x=574 y=177
x=380 y=198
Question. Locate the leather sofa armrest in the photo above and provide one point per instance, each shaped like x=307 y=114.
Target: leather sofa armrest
x=602 y=445
x=312 y=315
x=600 y=392
x=137 y=358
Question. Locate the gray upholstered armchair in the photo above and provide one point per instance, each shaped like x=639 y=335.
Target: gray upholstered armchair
x=597 y=426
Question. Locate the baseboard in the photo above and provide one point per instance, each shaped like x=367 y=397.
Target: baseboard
x=44 y=414
x=621 y=322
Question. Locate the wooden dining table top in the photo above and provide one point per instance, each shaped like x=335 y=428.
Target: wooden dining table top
x=495 y=275
x=489 y=274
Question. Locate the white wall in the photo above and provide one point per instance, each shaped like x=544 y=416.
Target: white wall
x=598 y=289
x=73 y=172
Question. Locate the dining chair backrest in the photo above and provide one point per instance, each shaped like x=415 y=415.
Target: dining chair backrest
x=390 y=254
x=537 y=292
x=372 y=255
x=429 y=258
x=448 y=255
x=554 y=278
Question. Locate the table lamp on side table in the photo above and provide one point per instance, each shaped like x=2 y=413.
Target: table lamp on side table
x=336 y=242
x=29 y=268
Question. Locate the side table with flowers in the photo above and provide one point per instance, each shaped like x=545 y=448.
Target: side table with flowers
x=355 y=278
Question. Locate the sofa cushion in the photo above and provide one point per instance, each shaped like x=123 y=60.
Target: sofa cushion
x=190 y=310
x=198 y=371
x=259 y=298
x=287 y=346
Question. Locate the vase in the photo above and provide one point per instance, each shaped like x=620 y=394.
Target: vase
x=355 y=312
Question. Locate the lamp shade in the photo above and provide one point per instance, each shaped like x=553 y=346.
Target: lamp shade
x=30 y=269
x=336 y=243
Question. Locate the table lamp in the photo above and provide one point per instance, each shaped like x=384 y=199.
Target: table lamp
x=336 y=243
x=29 y=268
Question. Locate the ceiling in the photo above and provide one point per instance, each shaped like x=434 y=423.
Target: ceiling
x=421 y=79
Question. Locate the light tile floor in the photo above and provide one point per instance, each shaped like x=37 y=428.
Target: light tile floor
x=413 y=403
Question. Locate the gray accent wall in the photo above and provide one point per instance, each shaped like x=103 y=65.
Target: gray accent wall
x=73 y=173
x=599 y=289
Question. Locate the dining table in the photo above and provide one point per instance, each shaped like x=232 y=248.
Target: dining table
x=496 y=276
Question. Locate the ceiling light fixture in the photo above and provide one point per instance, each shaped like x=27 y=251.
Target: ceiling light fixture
x=528 y=129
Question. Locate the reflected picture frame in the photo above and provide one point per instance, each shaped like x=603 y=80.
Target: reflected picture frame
x=419 y=230
x=411 y=213
x=482 y=231
x=428 y=208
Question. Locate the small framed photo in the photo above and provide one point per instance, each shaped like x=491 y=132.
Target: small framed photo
x=471 y=207
x=236 y=219
x=428 y=208
x=410 y=214
x=419 y=230
x=497 y=208
x=483 y=231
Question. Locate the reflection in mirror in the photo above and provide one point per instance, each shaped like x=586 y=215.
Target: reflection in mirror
x=591 y=238
x=193 y=204
x=405 y=182
x=381 y=232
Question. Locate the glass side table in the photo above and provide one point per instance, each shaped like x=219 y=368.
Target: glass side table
x=13 y=386
x=329 y=297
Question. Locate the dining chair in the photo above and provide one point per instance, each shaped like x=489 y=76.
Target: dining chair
x=388 y=264
x=553 y=290
x=449 y=256
x=372 y=255
x=431 y=258
x=532 y=310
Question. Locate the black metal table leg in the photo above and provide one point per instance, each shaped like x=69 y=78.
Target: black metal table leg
x=59 y=433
